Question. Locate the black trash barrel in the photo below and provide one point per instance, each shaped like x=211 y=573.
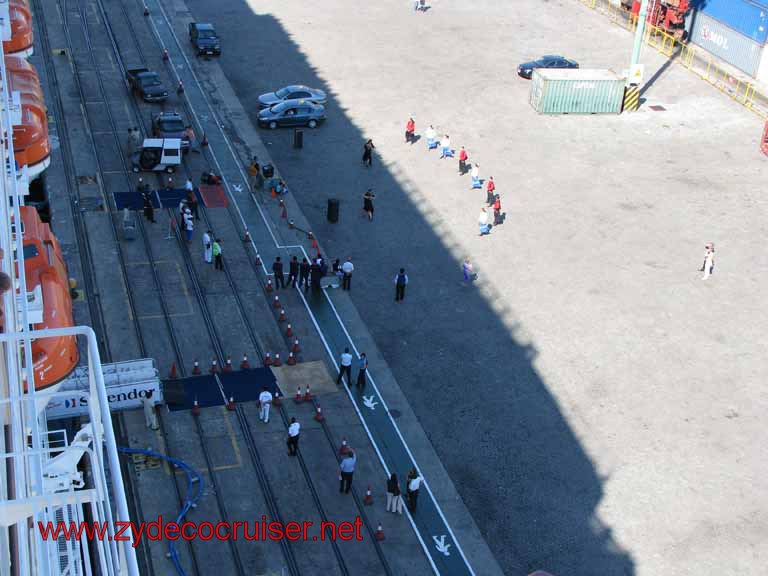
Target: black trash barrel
x=268 y=171
x=333 y=210
x=298 y=138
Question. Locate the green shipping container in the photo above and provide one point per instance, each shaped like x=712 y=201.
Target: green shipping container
x=577 y=91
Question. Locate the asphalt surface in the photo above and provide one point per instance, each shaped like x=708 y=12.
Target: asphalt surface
x=589 y=395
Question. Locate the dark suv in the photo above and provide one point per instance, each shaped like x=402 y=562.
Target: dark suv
x=204 y=39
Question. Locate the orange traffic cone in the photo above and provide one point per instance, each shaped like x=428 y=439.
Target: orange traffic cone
x=368 y=500
x=180 y=87
x=173 y=375
x=276 y=303
x=231 y=404
x=276 y=361
x=276 y=399
x=204 y=141
x=319 y=414
x=344 y=448
x=247 y=239
x=228 y=365
x=298 y=398
x=258 y=258
x=296 y=348
x=289 y=331
x=245 y=365
x=291 y=359
x=196 y=368
x=269 y=287
x=267 y=360
x=146 y=10
x=379 y=534
x=195 y=408
x=214 y=366
x=282 y=317
x=307 y=394
x=165 y=55
x=291 y=225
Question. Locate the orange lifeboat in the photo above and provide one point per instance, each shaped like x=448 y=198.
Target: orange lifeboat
x=48 y=300
x=31 y=145
x=21 y=40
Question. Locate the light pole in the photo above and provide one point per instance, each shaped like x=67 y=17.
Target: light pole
x=639 y=32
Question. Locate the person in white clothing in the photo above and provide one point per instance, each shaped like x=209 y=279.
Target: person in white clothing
x=346 y=366
x=412 y=490
x=188 y=186
x=346 y=274
x=482 y=222
x=189 y=225
x=709 y=261
x=265 y=401
x=475 y=174
x=293 y=437
x=208 y=247
x=445 y=144
x=431 y=136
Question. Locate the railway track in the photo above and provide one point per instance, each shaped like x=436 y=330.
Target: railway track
x=132 y=283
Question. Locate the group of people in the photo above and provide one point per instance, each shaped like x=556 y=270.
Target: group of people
x=493 y=199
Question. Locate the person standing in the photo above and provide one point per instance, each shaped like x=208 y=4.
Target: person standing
x=265 y=401
x=394 y=500
x=368 y=153
x=304 y=274
x=482 y=222
x=208 y=247
x=192 y=201
x=189 y=135
x=431 y=137
x=368 y=203
x=362 y=370
x=445 y=145
x=346 y=274
x=410 y=129
x=412 y=490
x=475 y=174
x=254 y=171
x=218 y=261
x=401 y=281
x=497 y=210
x=293 y=437
x=134 y=141
x=345 y=366
x=709 y=261
x=490 y=191
x=463 y=157
x=277 y=271
x=149 y=209
x=315 y=274
x=347 y=467
x=293 y=271
x=189 y=225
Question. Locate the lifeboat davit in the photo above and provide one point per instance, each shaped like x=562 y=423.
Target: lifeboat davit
x=21 y=40
x=48 y=301
x=31 y=145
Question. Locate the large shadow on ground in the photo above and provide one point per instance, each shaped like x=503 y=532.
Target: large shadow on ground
x=501 y=435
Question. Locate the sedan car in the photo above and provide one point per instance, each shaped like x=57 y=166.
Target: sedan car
x=292 y=113
x=293 y=92
x=170 y=125
x=525 y=70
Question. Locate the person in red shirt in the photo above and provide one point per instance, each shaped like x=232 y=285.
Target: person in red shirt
x=410 y=128
x=490 y=190
x=497 y=210
x=463 y=157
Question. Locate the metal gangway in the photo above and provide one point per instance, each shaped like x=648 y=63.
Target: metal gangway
x=44 y=475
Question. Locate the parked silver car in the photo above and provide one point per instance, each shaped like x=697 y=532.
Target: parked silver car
x=293 y=92
x=292 y=113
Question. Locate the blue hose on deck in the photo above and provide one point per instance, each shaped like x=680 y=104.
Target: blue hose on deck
x=190 y=499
